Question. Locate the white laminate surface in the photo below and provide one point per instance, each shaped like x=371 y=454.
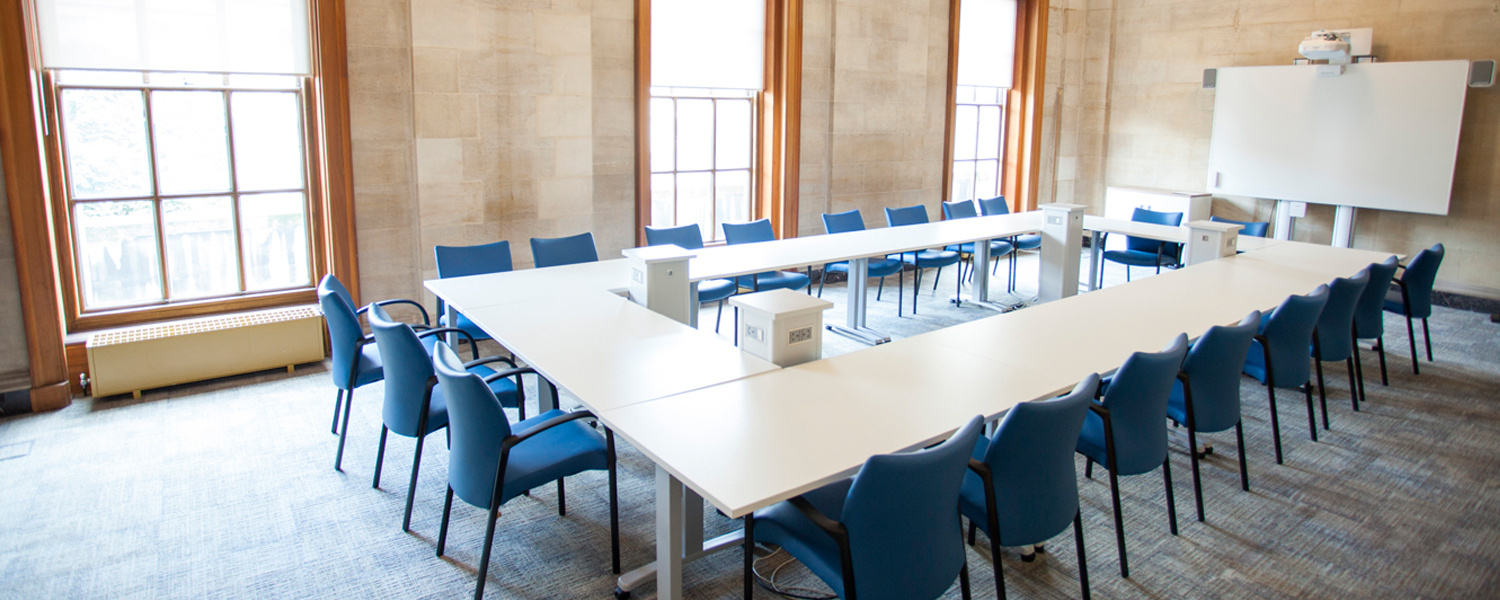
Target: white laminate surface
x=476 y=291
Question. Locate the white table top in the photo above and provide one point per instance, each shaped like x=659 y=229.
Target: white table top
x=476 y=291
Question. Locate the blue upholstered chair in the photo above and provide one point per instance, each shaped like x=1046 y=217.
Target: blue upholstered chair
x=1278 y=357
x=760 y=231
x=570 y=250
x=414 y=405
x=922 y=259
x=1251 y=228
x=877 y=267
x=1206 y=397
x=1145 y=252
x=356 y=361
x=492 y=460
x=690 y=237
x=1023 y=488
x=1028 y=241
x=462 y=261
x=1413 y=296
x=1369 y=317
x=1127 y=431
x=891 y=531
x=1333 y=338
x=964 y=209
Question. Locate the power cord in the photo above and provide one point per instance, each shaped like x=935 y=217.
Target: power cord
x=769 y=583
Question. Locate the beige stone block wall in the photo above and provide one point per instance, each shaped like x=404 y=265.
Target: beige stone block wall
x=1133 y=112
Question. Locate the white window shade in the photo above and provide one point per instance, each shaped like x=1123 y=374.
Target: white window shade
x=220 y=36
x=987 y=43
x=708 y=43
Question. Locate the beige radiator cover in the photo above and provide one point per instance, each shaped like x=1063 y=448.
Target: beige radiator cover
x=152 y=356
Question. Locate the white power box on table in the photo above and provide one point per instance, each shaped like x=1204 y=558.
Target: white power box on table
x=781 y=326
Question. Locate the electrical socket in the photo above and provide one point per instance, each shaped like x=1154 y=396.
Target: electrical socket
x=799 y=335
x=755 y=333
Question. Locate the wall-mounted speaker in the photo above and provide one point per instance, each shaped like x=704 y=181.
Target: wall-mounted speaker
x=1211 y=78
x=1481 y=73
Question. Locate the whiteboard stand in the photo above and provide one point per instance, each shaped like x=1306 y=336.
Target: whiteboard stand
x=1343 y=226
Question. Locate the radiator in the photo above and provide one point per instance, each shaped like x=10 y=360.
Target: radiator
x=153 y=356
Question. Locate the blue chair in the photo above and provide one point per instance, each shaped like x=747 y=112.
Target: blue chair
x=760 y=231
x=876 y=267
x=356 y=362
x=414 y=405
x=1369 y=317
x=1206 y=397
x=1028 y=241
x=1144 y=252
x=890 y=532
x=1023 y=488
x=964 y=209
x=922 y=259
x=570 y=250
x=1127 y=431
x=491 y=460
x=690 y=237
x=1278 y=357
x=1333 y=338
x=462 y=261
x=1251 y=228
x=1413 y=297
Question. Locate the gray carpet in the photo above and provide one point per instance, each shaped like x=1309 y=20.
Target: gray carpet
x=226 y=489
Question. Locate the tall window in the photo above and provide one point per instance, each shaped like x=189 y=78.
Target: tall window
x=986 y=64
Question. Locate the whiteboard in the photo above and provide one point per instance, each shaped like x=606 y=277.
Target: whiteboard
x=1382 y=135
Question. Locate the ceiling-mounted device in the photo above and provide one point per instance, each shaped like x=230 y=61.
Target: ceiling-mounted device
x=1337 y=46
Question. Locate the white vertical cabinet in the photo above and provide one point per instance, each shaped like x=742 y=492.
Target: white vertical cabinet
x=1121 y=202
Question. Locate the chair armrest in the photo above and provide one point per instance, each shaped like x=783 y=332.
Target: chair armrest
x=979 y=468
x=511 y=441
x=833 y=528
x=426 y=320
x=1099 y=409
x=492 y=377
x=473 y=348
x=489 y=359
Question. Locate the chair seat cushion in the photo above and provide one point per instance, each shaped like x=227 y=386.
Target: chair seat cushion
x=1255 y=362
x=1029 y=241
x=1137 y=258
x=567 y=449
x=369 y=367
x=1394 y=304
x=998 y=248
x=1177 y=411
x=1091 y=439
x=877 y=267
x=782 y=524
x=929 y=259
x=465 y=324
x=715 y=289
x=773 y=280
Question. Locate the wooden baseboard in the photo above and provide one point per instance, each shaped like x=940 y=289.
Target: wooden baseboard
x=52 y=397
x=1477 y=291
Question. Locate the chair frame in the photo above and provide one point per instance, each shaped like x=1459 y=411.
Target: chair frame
x=1312 y=426
x=426 y=324
x=1192 y=427
x=992 y=514
x=1114 y=483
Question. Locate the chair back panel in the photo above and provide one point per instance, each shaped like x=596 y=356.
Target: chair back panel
x=1031 y=461
x=1289 y=330
x=994 y=206
x=749 y=233
x=906 y=215
x=1336 y=323
x=1252 y=228
x=960 y=209
x=344 y=331
x=1369 y=312
x=333 y=285
x=1137 y=402
x=461 y=261
x=407 y=370
x=1143 y=215
x=571 y=250
x=1420 y=275
x=687 y=237
x=477 y=426
x=844 y=221
x=902 y=516
x=1213 y=369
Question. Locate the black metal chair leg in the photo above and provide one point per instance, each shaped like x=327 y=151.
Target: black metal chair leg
x=1359 y=371
x=562 y=499
x=1114 y=492
x=880 y=289
x=1411 y=336
x=1427 y=337
x=1197 y=484
x=720 y=316
x=1353 y=387
x=338 y=459
x=1322 y=391
x=411 y=490
x=916 y=285
x=443 y=529
x=338 y=403
x=1380 y=346
x=1275 y=421
x=1312 y=421
x=614 y=503
x=489 y=539
x=963 y=581
x=1166 y=476
x=749 y=573
x=379 y=457
x=1239 y=434
x=972 y=529
x=1083 y=565
x=937 y=277
x=900 y=289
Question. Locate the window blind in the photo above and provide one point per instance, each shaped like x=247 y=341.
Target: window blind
x=218 y=36
x=708 y=43
x=987 y=43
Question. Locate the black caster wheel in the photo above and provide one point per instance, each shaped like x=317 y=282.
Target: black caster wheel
x=621 y=594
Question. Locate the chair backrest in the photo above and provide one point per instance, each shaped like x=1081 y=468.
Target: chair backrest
x=994 y=206
x=1213 y=368
x=906 y=215
x=844 y=221
x=1145 y=215
x=1031 y=461
x=902 y=517
x=1369 y=312
x=344 y=331
x=687 y=237
x=1420 y=275
x=1137 y=402
x=1336 y=323
x=477 y=425
x=1289 y=331
x=749 y=233
x=960 y=209
x=407 y=370
x=460 y=261
x=1252 y=228
x=556 y=252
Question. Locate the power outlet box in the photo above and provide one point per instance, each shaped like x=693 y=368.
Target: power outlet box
x=799 y=335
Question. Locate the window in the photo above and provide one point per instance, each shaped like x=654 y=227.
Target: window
x=985 y=76
x=978 y=136
x=702 y=157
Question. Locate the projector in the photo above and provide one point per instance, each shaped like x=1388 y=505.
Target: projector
x=1325 y=45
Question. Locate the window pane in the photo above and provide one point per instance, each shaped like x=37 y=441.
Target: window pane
x=200 y=247
x=267 y=140
x=965 y=95
x=105 y=131
x=695 y=202
x=274 y=241
x=117 y=253
x=71 y=77
x=663 y=202
x=695 y=135
x=987 y=95
x=734 y=130
x=731 y=197
x=985 y=178
x=963 y=180
x=662 y=136
x=965 y=124
x=192 y=144
x=989 y=132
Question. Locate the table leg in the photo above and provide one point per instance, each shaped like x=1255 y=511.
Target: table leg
x=448 y=311
x=981 y=287
x=679 y=539
x=859 y=288
x=546 y=393
x=1096 y=250
x=696 y=307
